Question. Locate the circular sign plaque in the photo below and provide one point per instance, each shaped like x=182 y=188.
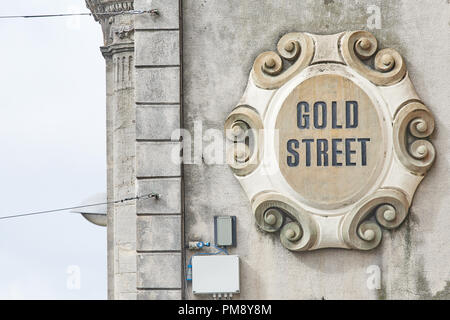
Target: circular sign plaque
x=336 y=142
x=330 y=141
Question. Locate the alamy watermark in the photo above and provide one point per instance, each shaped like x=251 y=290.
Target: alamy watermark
x=73 y=281
x=374 y=19
x=374 y=279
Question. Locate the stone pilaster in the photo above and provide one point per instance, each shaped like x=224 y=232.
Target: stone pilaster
x=158 y=109
x=143 y=77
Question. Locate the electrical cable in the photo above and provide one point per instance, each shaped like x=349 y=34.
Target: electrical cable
x=150 y=195
x=205 y=253
x=221 y=249
x=151 y=12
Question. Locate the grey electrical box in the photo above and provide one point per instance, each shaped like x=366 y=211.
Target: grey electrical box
x=225 y=231
x=215 y=274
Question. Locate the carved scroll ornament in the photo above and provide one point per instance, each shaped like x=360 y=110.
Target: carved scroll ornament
x=267 y=69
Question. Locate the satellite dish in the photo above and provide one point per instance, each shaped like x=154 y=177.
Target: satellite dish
x=94 y=214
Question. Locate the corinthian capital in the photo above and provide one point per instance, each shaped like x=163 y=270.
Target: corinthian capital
x=117 y=28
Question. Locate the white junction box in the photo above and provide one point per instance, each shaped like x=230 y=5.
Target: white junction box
x=215 y=274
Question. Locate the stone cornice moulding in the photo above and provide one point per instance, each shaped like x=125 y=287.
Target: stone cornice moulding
x=108 y=6
x=109 y=51
x=324 y=209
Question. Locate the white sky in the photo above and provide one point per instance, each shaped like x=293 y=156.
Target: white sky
x=52 y=136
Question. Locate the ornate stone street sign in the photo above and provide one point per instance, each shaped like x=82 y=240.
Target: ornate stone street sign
x=328 y=149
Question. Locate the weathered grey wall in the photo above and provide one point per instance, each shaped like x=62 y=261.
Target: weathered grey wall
x=221 y=40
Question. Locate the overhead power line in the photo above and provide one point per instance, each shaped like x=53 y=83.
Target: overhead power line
x=150 y=195
x=151 y=12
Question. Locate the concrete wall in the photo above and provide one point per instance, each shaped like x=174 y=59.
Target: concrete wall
x=195 y=72
x=221 y=39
